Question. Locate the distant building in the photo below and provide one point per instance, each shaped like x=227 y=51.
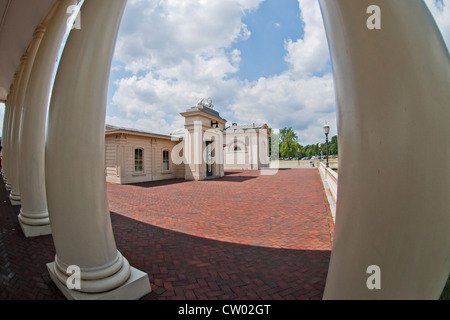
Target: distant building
x=134 y=156
x=246 y=147
x=202 y=150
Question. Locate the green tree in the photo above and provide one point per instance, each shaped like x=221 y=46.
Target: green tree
x=289 y=146
x=323 y=148
x=301 y=151
x=316 y=149
x=275 y=137
x=333 y=146
x=288 y=143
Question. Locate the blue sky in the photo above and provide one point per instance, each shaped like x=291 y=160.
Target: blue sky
x=252 y=57
x=259 y=60
x=263 y=52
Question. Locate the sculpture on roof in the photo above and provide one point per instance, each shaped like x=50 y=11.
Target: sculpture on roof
x=209 y=103
x=202 y=103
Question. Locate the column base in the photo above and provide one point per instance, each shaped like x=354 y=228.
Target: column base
x=35 y=231
x=137 y=286
x=14 y=199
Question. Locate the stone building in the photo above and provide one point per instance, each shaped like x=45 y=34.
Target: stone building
x=204 y=149
x=134 y=156
x=247 y=147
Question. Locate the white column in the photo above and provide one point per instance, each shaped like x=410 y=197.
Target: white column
x=11 y=103
x=75 y=163
x=14 y=195
x=33 y=216
x=5 y=135
x=393 y=96
x=13 y=145
x=5 y=121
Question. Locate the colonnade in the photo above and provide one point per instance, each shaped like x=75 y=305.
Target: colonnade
x=55 y=160
x=392 y=94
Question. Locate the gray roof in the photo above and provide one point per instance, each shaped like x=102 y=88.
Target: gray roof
x=247 y=126
x=205 y=109
x=110 y=128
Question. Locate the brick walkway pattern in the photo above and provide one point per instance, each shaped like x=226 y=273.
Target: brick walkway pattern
x=244 y=236
x=286 y=210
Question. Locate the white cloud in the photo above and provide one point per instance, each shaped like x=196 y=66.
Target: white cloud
x=297 y=97
x=244 y=33
x=304 y=104
x=119 y=122
x=189 y=57
x=177 y=52
x=310 y=54
x=180 y=51
x=163 y=33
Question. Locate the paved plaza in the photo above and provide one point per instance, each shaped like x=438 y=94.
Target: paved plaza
x=244 y=236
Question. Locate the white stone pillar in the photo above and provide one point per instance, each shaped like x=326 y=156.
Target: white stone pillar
x=75 y=163
x=7 y=149
x=392 y=87
x=5 y=136
x=30 y=55
x=33 y=216
x=5 y=123
x=11 y=105
x=13 y=145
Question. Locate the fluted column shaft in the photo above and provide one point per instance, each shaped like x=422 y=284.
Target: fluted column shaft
x=74 y=158
x=392 y=87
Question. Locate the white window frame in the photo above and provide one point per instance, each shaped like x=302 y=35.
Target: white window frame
x=139 y=172
x=169 y=166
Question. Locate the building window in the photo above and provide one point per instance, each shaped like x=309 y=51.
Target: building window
x=138 y=160
x=236 y=148
x=165 y=160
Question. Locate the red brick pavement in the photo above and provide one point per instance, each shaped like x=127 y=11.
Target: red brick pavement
x=182 y=266
x=286 y=210
x=185 y=266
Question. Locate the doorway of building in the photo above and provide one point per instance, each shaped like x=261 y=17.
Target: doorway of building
x=209 y=169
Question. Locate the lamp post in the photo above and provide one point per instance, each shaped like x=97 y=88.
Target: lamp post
x=326 y=129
